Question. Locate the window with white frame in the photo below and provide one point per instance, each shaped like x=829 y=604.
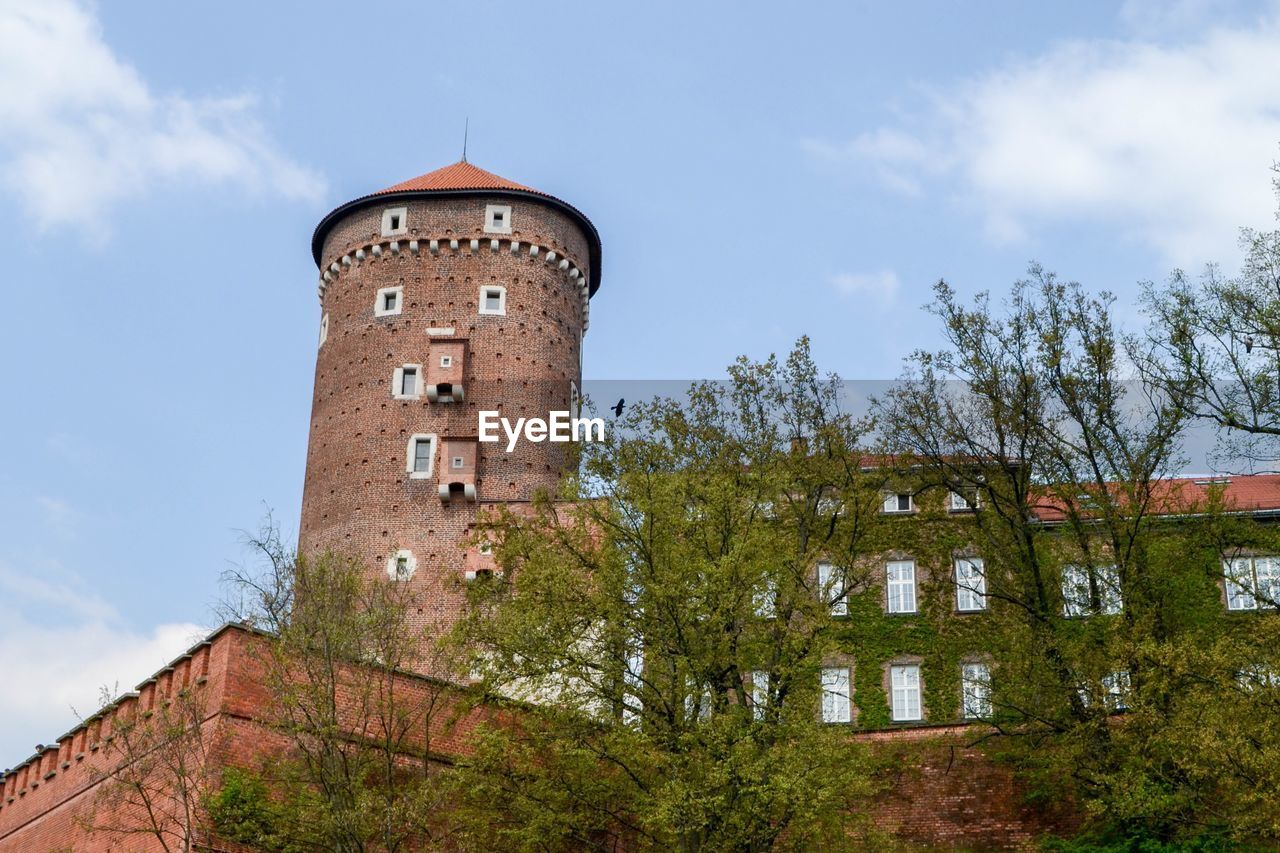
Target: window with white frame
x=1257 y=676
x=493 y=299
x=836 y=707
x=1115 y=690
x=324 y=329
x=1252 y=582
x=759 y=694
x=497 y=219
x=389 y=301
x=395 y=221
x=697 y=702
x=975 y=690
x=401 y=565
x=422 y=455
x=1090 y=590
x=900 y=586
x=971 y=584
x=962 y=499
x=904 y=685
x=459 y=462
x=899 y=502
x=406 y=382
x=765 y=599
x=831 y=588
x=446 y=361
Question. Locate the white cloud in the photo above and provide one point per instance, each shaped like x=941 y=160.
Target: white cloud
x=880 y=287
x=1168 y=146
x=63 y=659
x=83 y=131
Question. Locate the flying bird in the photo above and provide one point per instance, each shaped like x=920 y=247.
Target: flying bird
x=617 y=410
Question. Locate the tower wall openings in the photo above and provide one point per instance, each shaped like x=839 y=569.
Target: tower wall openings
x=457 y=265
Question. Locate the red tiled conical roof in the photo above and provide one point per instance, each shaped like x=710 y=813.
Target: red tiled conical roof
x=460 y=176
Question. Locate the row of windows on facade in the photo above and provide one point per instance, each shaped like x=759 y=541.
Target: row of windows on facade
x=958 y=500
x=905 y=694
x=1251 y=582
x=492 y=300
x=497 y=220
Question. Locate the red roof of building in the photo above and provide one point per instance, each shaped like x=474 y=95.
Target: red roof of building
x=460 y=176
x=1249 y=493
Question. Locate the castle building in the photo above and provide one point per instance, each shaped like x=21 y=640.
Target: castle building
x=460 y=292
x=448 y=295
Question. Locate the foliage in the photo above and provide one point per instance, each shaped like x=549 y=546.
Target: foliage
x=1215 y=342
x=1028 y=407
x=666 y=629
x=355 y=772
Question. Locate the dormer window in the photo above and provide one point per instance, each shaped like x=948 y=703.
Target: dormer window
x=497 y=219
x=388 y=301
x=395 y=221
x=493 y=299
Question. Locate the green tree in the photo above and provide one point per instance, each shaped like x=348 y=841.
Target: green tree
x=1214 y=343
x=358 y=769
x=1102 y=578
x=664 y=629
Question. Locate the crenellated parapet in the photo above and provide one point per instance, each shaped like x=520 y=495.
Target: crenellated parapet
x=62 y=768
x=453 y=246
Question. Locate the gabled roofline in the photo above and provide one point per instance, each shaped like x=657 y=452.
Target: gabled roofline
x=593 y=236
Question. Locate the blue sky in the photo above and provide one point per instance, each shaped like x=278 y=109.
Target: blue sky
x=757 y=172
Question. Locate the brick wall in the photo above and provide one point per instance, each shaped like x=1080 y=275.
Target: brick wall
x=943 y=793
x=358 y=499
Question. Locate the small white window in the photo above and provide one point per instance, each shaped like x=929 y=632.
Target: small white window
x=395 y=221
x=406 y=382
x=836 y=706
x=759 y=694
x=971 y=584
x=388 y=302
x=1252 y=582
x=1087 y=591
x=904 y=682
x=900 y=578
x=963 y=500
x=401 y=566
x=1115 y=689
x=485 y=547
x=422 y=455
x=459 y=462
x=446 y=361
x=831 y=588
x=497 y=219
x=765 y=600
x=324 y=329
x=975 y=690
x=493 y=299
x=1257 y=677
x=899 y=502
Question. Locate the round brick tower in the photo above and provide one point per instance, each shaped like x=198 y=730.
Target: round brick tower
x=447 y=295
